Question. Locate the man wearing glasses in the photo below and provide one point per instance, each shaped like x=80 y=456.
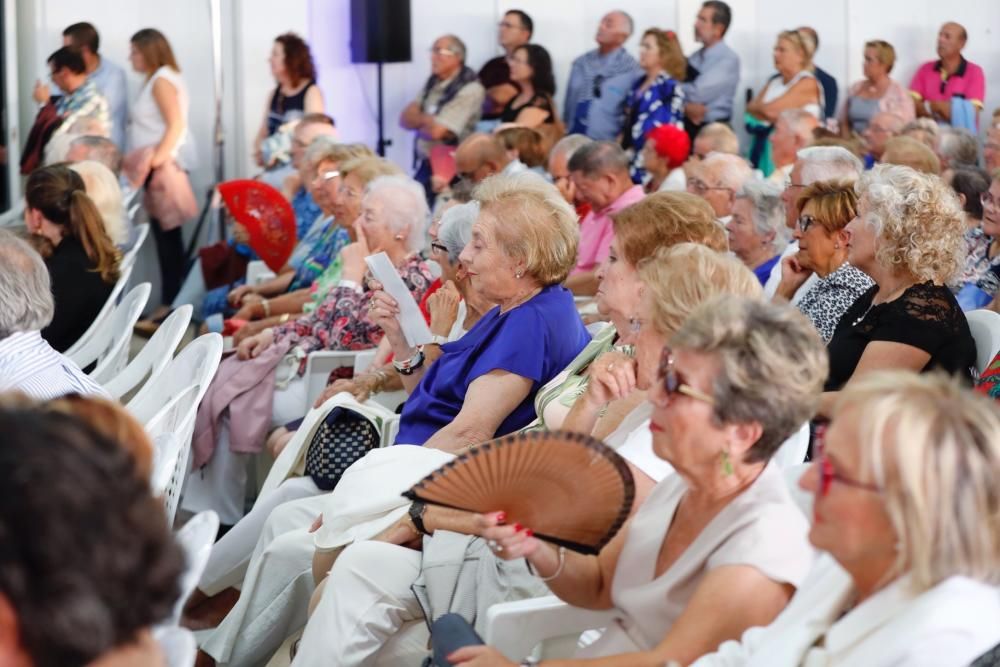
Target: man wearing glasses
x=514 y=31
x=600 y=80
x=883 y=127
x=717 y=179
x=448 y=107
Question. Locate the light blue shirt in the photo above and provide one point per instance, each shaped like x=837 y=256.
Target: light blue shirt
x=599 y=116
x=715 y=86
x=110 y=81
x=29 y=364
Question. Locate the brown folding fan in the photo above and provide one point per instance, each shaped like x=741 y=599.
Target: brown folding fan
x=570 y=489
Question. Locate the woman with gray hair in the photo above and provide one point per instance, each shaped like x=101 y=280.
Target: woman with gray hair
x=905 y=498
x=720 y=546
x=393 y=220
x=908 y=237
x=756 y=229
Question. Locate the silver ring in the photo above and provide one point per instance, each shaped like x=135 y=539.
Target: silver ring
x=498 y=548
x=492 y=544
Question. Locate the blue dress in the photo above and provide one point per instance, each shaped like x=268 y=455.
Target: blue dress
x=536 y=340
x=661 y=104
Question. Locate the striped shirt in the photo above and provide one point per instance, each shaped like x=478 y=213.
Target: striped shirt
x=29 y=364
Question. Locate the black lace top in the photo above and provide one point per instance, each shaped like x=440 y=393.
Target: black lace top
x=539 y=101
x=926 y=316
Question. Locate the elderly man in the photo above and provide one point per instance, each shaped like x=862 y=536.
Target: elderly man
x=600 y=80
x=27 y=363
x=715 y=138
x=816 y=163
x=957 y=148
x=938 y=82
x=600 y=173
x=793 y=131
x=709 y=94
x=515 y=30
x=481 y=156
x=98 y=149
x=559 y=158
x=717 y=179
x=883 y=127
x=107 y=76
x=447 y=109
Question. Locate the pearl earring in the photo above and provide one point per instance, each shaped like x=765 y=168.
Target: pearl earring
x=518 y=275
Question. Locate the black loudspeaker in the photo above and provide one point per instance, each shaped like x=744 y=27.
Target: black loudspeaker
x=380 y=31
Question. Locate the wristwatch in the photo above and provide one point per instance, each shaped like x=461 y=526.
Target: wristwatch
x=417 y=510
x=438 y=340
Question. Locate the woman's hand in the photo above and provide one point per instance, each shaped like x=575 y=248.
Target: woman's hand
x=793 y=276
x=360 y=388
x=507 y=542
x=242 y=293
x=479 y=656
x=252 y=347
x=352 y=257
x=443 y=305
x=317 y=524
x=384 y=311
x=613 y=376
x=246 y=331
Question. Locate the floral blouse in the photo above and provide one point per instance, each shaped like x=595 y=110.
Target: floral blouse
x=342 y=322
x=661 y=104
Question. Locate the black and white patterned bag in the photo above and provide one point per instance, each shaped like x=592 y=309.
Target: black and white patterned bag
x=343 y=438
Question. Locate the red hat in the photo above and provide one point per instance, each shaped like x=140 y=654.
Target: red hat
x=671 y=143
x=267 y=215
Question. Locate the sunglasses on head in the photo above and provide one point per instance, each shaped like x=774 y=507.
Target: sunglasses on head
x=672 y=382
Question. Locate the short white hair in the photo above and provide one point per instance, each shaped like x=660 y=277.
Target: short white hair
x=106 y=193
x=25 y=285
x=958 y=147
x=731 y=171
x=455 y=230
x=827 y=163
x=800 y=122
x=767 y=206
x=405 y=206
x=569 y=145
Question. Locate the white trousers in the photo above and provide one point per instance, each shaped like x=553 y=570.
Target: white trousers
x=366 y=601
x=231 y=555
x=221 y=484
x=274 y=600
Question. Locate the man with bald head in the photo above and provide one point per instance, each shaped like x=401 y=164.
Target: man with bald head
x=600 y=172
x=481 y=156
x=717 y=179
x=882 y=127
x=793 y=131
x=951 y=75
x=600 y=80
x=448 y=107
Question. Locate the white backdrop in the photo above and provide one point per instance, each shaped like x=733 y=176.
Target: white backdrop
x=565 y=27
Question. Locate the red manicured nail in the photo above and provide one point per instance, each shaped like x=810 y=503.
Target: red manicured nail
x=518 y=527
x=501 y=517
x=529 y=532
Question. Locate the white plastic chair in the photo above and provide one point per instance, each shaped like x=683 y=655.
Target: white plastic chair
x=154 y=355
x=126 y=272
x=802 y=498
x=166 y=451
x=196 y=537
x=141 y=233
x=109 y=343
x=179 y=646
x=516 y=628
x=985 y=328
x=257 y=272
x=319 y=365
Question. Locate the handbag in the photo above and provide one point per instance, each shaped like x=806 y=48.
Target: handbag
x=343 y=438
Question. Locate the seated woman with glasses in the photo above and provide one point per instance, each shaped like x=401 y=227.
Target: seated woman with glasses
x=906 y=493
x=981 y=277
x=721 y=546
x=825 y=208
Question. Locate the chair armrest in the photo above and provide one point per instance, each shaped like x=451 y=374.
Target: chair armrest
x=318 y=368
x=516 y=628
x=257 y=272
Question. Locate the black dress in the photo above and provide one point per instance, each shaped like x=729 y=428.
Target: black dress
x=539 y=101
x=926 y=316
x=78 y=291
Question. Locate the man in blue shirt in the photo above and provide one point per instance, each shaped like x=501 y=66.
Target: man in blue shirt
x=713 y=70
x=108 y=77
x=600 y=80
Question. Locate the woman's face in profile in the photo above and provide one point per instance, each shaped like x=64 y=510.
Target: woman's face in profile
x=277 y=60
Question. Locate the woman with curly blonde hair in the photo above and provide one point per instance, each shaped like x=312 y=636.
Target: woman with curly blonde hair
x=908 y=236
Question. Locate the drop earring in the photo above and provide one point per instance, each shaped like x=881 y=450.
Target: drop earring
x=727 y=464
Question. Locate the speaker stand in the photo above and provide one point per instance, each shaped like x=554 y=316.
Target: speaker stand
x=383 y=143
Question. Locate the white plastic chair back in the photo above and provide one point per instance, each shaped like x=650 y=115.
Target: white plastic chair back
x=141 y=232
x=196 y=537
x=195 y=365
x=154 y=355
x=792 y=451
x=516 y=628
x=166 y=451
x=126 y=273
x=985 y=328
x=179 y=646
x=108 y=345
x=172 y=429
x=319 y=365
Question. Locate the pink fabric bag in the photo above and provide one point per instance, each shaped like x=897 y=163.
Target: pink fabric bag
x=168 y=197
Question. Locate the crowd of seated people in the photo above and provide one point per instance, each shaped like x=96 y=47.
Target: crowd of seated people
x=774 y=341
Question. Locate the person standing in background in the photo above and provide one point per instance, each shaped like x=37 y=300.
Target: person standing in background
x=107 y=76
x=938 y=82
x=713 y=71
x=515 y=31
x=827 y=83
x=600 y=80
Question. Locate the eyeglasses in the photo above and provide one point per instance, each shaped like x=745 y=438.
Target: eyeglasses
x=701 y=187
x=827 y=474
x=329 y=175
x=598 y=82
x=441 y=52
x=672 y=383
x=805 y=222
x=345 y=191
x=509 y=25
x=987 y=200
x=439 y=247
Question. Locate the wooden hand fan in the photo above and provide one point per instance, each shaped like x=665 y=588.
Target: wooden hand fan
x=570 y=489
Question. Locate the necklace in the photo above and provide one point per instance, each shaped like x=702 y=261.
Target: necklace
x=893 y=294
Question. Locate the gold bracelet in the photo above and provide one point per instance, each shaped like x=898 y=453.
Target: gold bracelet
x=284 y=318
x=266 y=306
x=559 y=570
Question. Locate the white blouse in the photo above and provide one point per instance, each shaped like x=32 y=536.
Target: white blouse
x=146 y=125
x=949 y=625
x=762 y=528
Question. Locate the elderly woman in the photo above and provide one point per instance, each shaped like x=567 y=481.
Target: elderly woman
x=679 y=278
x=825 y=208
x=877 y=92
x=905 y=503
x=757 y=227
x=483 y=385
x=663 y=157
x=793 y=87
x=979 y=280
x=908 y=237
x=103 y=189
x=720 y=546
x=656 y=97
x=393 y=221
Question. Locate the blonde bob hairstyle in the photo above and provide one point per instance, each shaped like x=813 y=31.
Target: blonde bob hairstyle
x=918 y=221
x=933 y=448
x=834 y=203
x=682 y=277
x=103 y=189
x=803 y=44
x=664 y=219
x=884 y=52
x=532 y=223
x=772 y=365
